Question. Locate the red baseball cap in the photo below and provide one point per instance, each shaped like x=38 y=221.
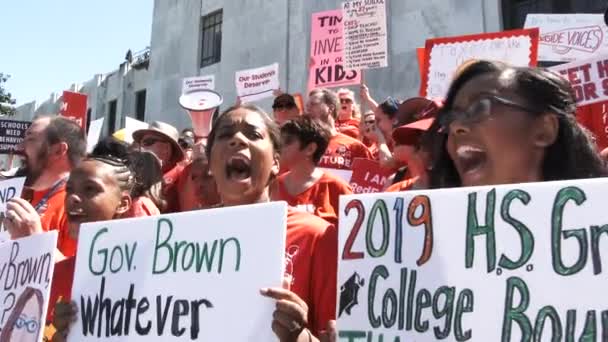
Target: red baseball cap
x=425 y=111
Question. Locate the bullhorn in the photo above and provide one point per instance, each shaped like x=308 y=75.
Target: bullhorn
x=201 y=105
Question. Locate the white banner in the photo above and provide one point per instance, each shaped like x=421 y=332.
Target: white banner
x=9 y=188
x=198 y=83
x=589 y=78
x=132 y=125
x=569 y=37
x=94 y=134
x=520 y=262
x=257 y=84
x=365 y=45
x=26 y=271
x=180 y=277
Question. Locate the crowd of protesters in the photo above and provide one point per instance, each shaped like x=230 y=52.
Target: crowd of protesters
x=497 y=125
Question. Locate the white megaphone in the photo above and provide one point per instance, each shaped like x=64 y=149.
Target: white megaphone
x=201 y=105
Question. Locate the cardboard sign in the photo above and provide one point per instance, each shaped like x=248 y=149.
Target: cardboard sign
x=365 y=44
x=132 y=125
x=26 y=270
x=569 y=37
x=10 y=188
x=74 y=107
x=12 y=134
x=500 y=263
x=326 y=68
x=197 y=83
x=188 y=276
x=368 y=176
x=589 y=79
x=445 y=55
x=257 y=84
x=94 y=134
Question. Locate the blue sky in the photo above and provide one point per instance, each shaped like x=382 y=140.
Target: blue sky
x=47 y=45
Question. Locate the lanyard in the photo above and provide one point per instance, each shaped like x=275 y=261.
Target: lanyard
x=40 y=207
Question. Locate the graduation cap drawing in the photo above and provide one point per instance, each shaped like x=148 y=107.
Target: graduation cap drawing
x=349 y=293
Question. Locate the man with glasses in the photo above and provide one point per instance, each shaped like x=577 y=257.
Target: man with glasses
x=161 y=139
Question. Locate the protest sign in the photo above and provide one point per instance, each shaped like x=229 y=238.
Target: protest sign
x=132 y=125
x=94 y=134
x=26 y=270
x=12 y=134
x=9 y=188
x=74 y=107
x=256 y=84
x=445 y=55
x=368 y=176
x=364 y=25
x=198 y=83
x=299 y=102
x=569 y=37
x=188 y=276
x=589 y=79
x=326 y=68
x=345 y=175
x=502 y=263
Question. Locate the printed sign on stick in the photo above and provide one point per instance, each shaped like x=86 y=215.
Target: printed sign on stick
x=26 y=270
x=365 y=44
x=12 y=134
x=445 y=55
x=506 y=263
x=569 y=37
x=74 y=107
x=197 y=83
x=188 y=276
x=256 y=84
x=326 y=68
x=368 y=176
x=589 y=79
x=94 y=134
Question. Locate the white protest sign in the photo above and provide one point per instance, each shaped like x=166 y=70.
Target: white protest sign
x=500 y=263
x=365 y=44
x=26 y=270
x=345 y=175
x=94 y=133
x=188 y=276
x=197 y=83
x=445 y=55
x=9 y=188
x=569 y=37
x=589 y=78
x=257 y=84
x=132 y=125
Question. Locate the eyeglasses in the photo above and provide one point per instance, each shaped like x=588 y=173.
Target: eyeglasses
x=346 y=101
x=31 y=325
x=480 y=110
x=151 y=141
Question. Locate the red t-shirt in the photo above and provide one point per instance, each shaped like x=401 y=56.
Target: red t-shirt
x=311 y=262
x=142 y=206
x=61 y=288
x=405 y=185
x=321 y=199
x=341 y=152
x=595 y=118
x=171 y=179
x=349 y=127
x=54 y=217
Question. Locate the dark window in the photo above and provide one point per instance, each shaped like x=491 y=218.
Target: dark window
x=211 y=38
x=140 y=105
x=515 y=11
x=112 y=106
x=88 y=119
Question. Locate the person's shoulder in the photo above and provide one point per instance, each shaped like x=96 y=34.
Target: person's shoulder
x=305 y=221
x=403 y=185
x=332 y=180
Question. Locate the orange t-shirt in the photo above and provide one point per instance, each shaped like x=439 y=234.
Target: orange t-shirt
x=141 y=207
x=171 y=180
x=349 y=127
x=54 y=217
x=321 y=199
x=341 y=152
x=405 y=185
x=311 y=262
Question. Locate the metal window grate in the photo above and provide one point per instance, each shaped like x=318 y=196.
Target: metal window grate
x=212 y=38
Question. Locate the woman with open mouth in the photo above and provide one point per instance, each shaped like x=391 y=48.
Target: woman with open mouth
x=503 y=124
x=244 y=150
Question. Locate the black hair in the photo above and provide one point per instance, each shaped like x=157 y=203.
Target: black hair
x=308 y=131
x=329 y=98
x=389 y=107
x=272 y=128
x=111 y=146
x=61 y=129
x=571 y=156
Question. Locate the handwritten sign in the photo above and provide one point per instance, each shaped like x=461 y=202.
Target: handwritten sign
x=12 y=134
x=94 y=133
x=445 y=55
x=589 y=79
x=74 y=107
x=256 y=84
x=365 y=44
x=368 y=176
x=189 y=276
x=502 y=263
x=198 y=83
x=26 y=269
x=326 y=68
x=569 y=37
x=9 y=189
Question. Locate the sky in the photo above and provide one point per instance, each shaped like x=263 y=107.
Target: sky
x=47 y=45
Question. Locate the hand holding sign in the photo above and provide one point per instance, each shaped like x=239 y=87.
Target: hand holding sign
x=22 y=219
x=291 y=314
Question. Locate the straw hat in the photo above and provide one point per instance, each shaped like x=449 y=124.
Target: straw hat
x=164 y=131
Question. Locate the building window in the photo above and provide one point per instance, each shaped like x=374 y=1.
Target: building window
x=112 y=106
x=140 y=105
x=212 y=38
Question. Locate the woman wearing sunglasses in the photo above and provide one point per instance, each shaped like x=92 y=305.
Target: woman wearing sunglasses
x=502 y=124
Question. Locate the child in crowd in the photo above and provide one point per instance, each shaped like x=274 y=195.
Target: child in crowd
x=503 y=124
x=244 y=151
x=304 y=186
